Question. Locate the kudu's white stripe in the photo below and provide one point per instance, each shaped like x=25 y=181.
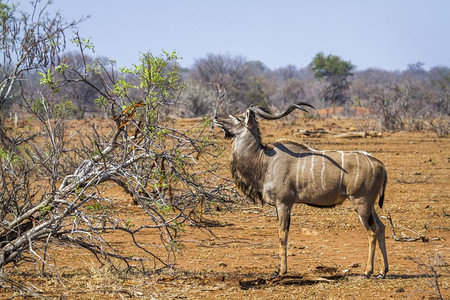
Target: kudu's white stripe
x=357 y=169
x=342 y=169
x=313 y=185
x=298 y=168
x=322 y=175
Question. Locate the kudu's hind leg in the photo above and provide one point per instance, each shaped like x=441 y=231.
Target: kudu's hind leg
x=381 y=243
x=368 y=220
x=367 y=223
x=284 y=220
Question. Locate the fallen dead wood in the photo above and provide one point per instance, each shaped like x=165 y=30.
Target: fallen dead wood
x=320 y=275
x=404 y=237
x=315 y=133
x=352 y=135
x=358 y=134
x=344 y=135
x=25 y=291
x=415 y=180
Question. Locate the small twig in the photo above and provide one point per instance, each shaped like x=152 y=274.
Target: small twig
x=414 y=181
x=432 y=267
x=23 y=288
x=444 y=213
x=404 y=237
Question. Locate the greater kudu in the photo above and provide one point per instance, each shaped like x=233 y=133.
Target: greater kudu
x=288 y=172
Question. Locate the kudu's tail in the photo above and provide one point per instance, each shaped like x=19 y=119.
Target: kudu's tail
x=382 y=191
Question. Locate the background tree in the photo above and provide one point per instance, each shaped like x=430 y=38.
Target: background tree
x=28 y=42
x=259 y=84
x=226 y=76
x=294 y=84
x=81 y=95
x=440 y=84
x=198 y=99
x=288 y=72
x=334 y=72
x=293 y=91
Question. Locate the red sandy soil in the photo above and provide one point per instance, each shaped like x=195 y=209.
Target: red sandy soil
x=327 y=249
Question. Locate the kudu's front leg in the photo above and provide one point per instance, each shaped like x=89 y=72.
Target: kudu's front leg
x=284 y=221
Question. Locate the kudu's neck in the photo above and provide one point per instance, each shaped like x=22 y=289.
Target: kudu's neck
x=248 y=164
x=248 y=144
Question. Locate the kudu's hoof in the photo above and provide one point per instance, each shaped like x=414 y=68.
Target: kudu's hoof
x=278 y=274
x=382 y=274
x=368 y=274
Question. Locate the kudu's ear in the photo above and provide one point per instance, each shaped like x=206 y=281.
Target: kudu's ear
x=249 y=119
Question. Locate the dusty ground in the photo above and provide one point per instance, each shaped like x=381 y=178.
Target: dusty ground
x=327 y=249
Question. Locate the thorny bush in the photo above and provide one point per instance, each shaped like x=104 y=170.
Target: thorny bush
x=52 y=186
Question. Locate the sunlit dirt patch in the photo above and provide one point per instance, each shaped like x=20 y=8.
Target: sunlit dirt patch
x=234 y=251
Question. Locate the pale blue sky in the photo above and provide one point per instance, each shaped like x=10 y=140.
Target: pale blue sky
x=386 y=34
